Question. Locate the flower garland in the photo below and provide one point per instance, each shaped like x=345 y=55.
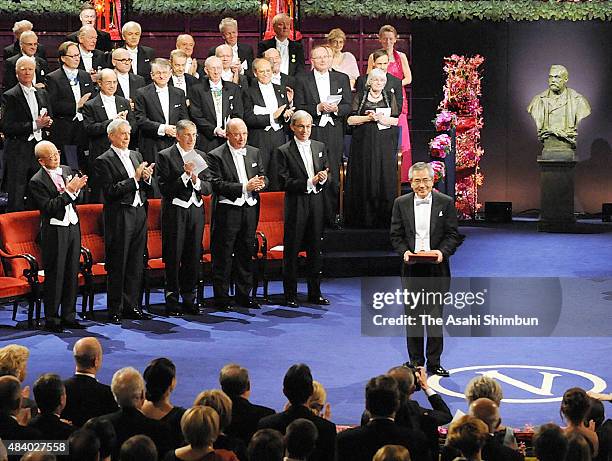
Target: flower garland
x=461 y=109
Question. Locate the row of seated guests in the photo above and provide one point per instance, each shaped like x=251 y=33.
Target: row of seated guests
x=223 y=424
x=211 y=95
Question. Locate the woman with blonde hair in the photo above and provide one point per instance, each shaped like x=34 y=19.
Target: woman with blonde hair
x=342 y=61
x=14 y=362
x=317 y=402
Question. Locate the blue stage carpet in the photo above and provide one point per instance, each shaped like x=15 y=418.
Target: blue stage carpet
x=328 y=338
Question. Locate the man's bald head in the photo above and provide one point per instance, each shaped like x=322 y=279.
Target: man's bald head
x=87 y=354
x=44 y=148
x=487 y=411
x=10 y=394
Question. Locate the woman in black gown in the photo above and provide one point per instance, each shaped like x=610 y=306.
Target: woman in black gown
x=372 y=165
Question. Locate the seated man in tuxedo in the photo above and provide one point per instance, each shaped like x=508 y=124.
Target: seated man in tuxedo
x=92 y=60
x=125 y=180
x=278 y=78
x=141 y=55
x=193 y=67
x=50 y=395
x=28 y=46
x=70 y=88
x=297 y=387
x=25 y=116
x=237 y=177
x=127 y=82
x=234 y=381
x=317 y=92
x=88 y=18
x=242 y=52
x=54 y=190
x=413 y=231
x=129 y=390
x=182 y=217
x=180 y=78
x=97 y=114
x=292 y=52
x=18 y=28
x=231 y=67
x=212 y=104
x=382 y=402
x=393 y=85
x=302 y=169
x=14 y=419
x=86 y=397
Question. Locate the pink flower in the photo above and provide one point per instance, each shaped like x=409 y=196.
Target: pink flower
x=439 y=170
x=440 y=146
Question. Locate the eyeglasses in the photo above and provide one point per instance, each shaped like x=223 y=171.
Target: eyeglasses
x=112 y=82
x=124 y=61
x=418 y=182
x=73 y=56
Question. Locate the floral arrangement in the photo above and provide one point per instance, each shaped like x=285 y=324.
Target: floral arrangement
x=461 y=109
x=440 y=146
x=439 y=170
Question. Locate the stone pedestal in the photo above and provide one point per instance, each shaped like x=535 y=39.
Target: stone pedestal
x=557 y=191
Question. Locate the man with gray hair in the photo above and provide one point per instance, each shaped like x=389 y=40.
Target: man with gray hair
x=231 y=68
x=28 y=46
x=129 y=391
x=92 y=59
x=291 y=51
x=141 y=55
x=424 y=232
x=183 y=179
x=242 y=53
x=303 y=174
x=88 y=18
x=18 y=28
x=125 y=180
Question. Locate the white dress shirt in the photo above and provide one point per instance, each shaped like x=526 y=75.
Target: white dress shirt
x=164 y=99
x=124 y=156
x=243 y=64
x=239 y=157
x=30 y=95
x=87 y=58
x=227 y=75
x=306 y=154
x=283 y=49
x=269 y=97
x=73 y=78
x=110 y=107
x=179 y=82
x=194 y=199
x=218 y=107
x=124 y=83
x=422 y=220
x=188 y=65
x=323 y=88
x=276 y=78
x=134 y=55
x=70 y=216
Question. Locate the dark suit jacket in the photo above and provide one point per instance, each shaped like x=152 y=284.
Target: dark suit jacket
x=13 y=49
x=46 y=197
x=492 y=451
x=129 y=422
x=202 y=110
x=10 y=429
x=87 y=398
x=252 y=97
x=286 y=81
x=15 y=117
x=95 y=122
x=104 y=42
x=10 y=78
x=223 y=173
x=143 y=67
x=604 y=433
x=393 y=85
x=307 y=95
x=136 y=81
x=51 y=427
x=149 y=116
x=361 y=443
x=245 y=418
x=99 y=59
x=292 y=172
x=296 y=54
x=325 y=447
x=64 y=130
x=190 y=82
x=443 y=232
x=245 y=53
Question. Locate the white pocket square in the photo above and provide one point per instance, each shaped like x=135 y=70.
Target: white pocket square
x=253 y=165
x=231 y=97
x=177 y=105
x=339 y=90
x=320 y=154
x=147 y=60
x=441 y=214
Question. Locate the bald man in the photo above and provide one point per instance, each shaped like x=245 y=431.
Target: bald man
x=54 y=190
x=85 y=396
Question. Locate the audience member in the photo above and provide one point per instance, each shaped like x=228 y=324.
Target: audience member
x=550 y=443
x=317 y=402
x=14 y=362
x=392 y=453
x=297 y=387
x=468 y=434
x=125 y=180
x=37 y=456
x=138 y=448
x=603 y=428
x=393 y=85
x=574 y=408
x=278 y=78
x=28 y=45
x=182 y=217
x=193 y=67
x=237 y=176
x=234 y=381
x=142 y=56
x=221 y=403
x=342 y=61
x=213 y=103
x=105 y=432
x=382 y=402
x=128 y=389
x=50 y=395
x=300 y=439
x=160 y=379
x=291 y=51
x=231 y=68
x=578 y=448
x=92 y=60
x=127 y=82
x=18 y=28
x=242 y=53
x=88 y=18
x=86 y=397
x=266 y=445
x=180 y=78
x=54 y=192
x=13 y=419
x=84 y=446
x=200 y=426
x=25 y=117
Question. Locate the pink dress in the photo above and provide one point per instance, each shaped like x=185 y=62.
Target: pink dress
x=395 y=69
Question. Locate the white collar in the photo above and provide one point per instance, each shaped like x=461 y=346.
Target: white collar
x=283 y=43
x=106 y=97
x=159 y=89
x=57 y=171
x=69 y=71
x=84 y=52
x=121 y=152
x=131 y=50
x=319 y=75
x=216 y=86
x=91 y=375
x=235 y=151
x=28 y=89
x=302 y=143
x=182 y=151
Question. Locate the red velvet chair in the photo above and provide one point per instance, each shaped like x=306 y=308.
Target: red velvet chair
x=92 y=241
x=154 y=264
x=205 y=259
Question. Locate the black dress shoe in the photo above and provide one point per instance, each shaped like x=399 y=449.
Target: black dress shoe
x=189 y=307
x=318 y=300
x=291 y=303
x=73 y=325
x=225 y=307
x=144 y=314
x=248 y=304
x=54 y=328
x=132 y=314
x=439 y=370
x=173 y=312
x=114 y=319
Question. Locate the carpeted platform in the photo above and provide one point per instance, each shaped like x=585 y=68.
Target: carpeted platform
x=329 y=340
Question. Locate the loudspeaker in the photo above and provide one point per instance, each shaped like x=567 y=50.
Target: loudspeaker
x=498 y=211
x=606 y=212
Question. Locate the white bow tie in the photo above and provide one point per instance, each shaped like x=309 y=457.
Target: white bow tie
x=31 y=91
x=424 y=201
x=57 y=171
x=87 y=54
x=161 y=90
x=304 y=144
x=240 y=151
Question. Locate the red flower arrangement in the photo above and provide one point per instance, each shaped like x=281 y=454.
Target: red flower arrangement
x=439 y=170
x=445 y=120
x=440 y=146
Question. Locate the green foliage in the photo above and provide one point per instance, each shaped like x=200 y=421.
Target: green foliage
x=440 y=10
